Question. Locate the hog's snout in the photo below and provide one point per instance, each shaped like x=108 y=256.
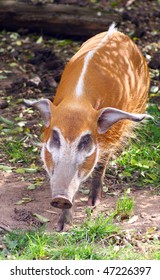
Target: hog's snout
x=61 y=202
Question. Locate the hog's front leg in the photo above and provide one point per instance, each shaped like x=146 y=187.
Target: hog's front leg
x=97 y=184
x=65 y=218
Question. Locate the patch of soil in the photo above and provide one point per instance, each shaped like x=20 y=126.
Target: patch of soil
x=41 y=72
x=12 y=190
x=26 y=216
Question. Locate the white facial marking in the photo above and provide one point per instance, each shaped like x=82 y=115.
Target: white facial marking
x=42 y=151
x=95 y=162
x=65 y=177
x=67 y=154
x=90 y=54
x=42 y=154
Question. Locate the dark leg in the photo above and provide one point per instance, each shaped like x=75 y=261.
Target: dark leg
x=96 y=185
x=65 y=218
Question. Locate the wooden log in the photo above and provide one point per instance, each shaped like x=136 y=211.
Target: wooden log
x=54 y=19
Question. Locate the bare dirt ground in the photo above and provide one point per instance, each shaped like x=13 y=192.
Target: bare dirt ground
x=12 y=190
x=31 y=68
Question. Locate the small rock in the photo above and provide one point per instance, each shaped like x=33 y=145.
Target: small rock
x=126 y=15
x=35 y=81
x=143 y=215
x=153 y=216
x=139 y=32
x=155 y=61
x=3 y=104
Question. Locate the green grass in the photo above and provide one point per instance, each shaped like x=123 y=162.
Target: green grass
x=17 y=153
x=98 y=239
x=16 y=142
x=140 y=163
x=124 y=206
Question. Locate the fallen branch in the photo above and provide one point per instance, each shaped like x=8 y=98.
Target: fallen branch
x=54 y=19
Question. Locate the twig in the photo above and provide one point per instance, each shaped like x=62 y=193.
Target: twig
x=52 y=212
x=6 y=228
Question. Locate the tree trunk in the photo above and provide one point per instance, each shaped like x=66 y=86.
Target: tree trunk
x=52 y=19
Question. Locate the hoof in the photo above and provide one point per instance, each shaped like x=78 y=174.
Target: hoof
x=93 y=201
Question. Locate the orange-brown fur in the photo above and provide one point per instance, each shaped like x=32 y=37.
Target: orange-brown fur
x=87 y=165
x=116 y=76
x=49 y=160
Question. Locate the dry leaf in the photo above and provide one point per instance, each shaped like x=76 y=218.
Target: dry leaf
x=24 y=200
x=41 y=218
x=133 y=219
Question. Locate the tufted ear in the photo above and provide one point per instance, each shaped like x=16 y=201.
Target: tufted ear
x=109 y=116
x=44 y=106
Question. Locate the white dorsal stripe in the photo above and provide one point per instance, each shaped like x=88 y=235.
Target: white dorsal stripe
x=80 y=84
x=90 y=54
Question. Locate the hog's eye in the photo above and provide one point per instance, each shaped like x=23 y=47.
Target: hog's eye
x=85 y=143
x=55 y=139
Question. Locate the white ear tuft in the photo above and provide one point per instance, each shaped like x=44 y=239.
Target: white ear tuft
x=43 y=105
x=109 y=116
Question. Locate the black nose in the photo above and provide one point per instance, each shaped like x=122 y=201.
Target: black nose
x=61 y=202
